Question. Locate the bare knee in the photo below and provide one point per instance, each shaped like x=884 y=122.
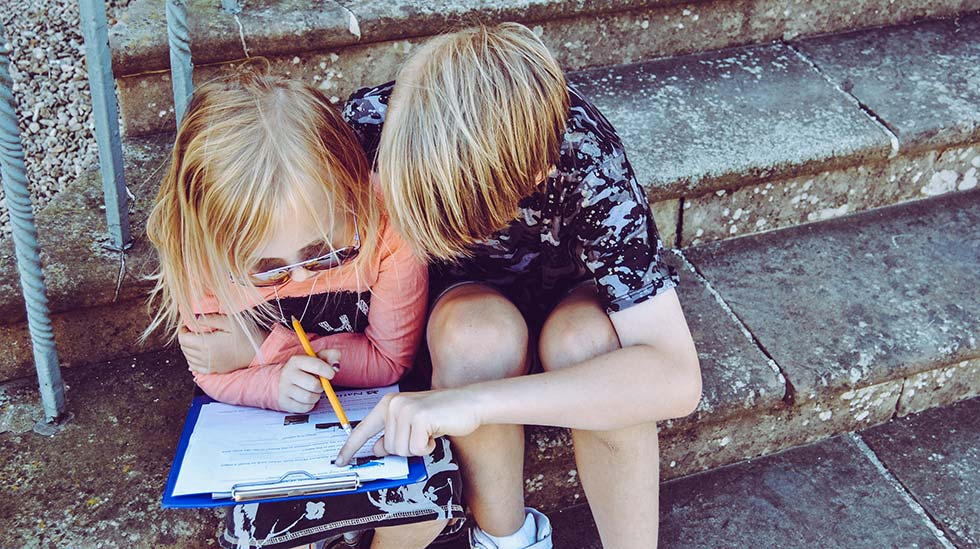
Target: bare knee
x=575 y=334
x=475 y=334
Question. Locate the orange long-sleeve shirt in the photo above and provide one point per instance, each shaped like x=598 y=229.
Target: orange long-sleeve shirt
x=391 y=292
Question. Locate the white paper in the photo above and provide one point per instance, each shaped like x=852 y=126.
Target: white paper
x=237 y=444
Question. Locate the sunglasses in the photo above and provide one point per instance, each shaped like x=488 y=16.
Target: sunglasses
x=330 y=260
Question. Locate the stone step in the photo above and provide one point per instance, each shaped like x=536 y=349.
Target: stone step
x=732 y=143
x=761 y=137
x=347 y=44
x=811 y=331
x=910 y=482
x=803 y=334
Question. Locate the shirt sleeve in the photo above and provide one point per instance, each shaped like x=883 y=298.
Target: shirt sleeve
x=377 y=357
x=618 y=238
x=365 y=113
x=396 y=320
x=258 y=384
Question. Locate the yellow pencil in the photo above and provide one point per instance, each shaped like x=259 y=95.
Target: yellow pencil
x=327 y=388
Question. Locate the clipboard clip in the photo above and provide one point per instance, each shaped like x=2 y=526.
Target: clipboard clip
x=294 y=483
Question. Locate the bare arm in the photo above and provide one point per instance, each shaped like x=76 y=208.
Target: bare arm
x=654 y=376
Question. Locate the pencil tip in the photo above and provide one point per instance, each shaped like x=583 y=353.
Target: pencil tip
x=292 y=318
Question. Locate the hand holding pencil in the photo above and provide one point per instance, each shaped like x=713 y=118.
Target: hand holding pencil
x=324 y=382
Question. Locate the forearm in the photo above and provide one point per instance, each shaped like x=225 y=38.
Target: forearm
x=363 y=363
x=256 y=386
x=625 y=387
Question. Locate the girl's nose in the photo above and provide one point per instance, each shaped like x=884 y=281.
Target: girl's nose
x=299 y=274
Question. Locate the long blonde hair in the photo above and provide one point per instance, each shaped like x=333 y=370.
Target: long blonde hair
x=250 y=150
x=476 y=118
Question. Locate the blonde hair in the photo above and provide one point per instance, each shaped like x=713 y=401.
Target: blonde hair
x=476 y=118
x=250 y=151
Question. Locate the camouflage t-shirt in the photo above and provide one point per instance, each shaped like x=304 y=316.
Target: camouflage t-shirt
x=590 y=220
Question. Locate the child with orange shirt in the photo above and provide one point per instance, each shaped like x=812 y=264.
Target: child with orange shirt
x=267 y=212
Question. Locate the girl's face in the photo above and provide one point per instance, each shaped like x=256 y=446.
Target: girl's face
x=299 y=238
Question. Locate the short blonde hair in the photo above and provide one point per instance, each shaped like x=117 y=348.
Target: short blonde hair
x=475 y=119
x=251 y=150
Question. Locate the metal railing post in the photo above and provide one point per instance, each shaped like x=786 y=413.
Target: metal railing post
x=181 y=67
x=106 y=112
x=18 y=198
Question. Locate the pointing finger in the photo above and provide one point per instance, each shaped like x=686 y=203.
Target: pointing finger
x=379 y=447
x=372 y=424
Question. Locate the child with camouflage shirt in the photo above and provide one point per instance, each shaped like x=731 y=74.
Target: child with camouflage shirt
x=544 y=257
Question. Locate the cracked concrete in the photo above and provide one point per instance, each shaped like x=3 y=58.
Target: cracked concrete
x=804 y=293
x=704 y=122
x=915 y=78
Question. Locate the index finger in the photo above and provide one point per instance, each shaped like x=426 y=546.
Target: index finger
x=313 y=366
x=372 y=424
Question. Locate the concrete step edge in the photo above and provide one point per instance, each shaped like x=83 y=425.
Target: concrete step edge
x=317 y=43
x=81 y=275
x=689 y=447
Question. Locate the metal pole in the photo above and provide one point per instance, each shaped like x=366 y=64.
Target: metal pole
x=181 y=67
x=18 y=197
x=106 y=112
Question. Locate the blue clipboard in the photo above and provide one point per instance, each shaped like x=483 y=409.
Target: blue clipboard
x=416 y=473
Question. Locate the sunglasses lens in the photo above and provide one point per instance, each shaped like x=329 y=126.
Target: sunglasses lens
x=272 y=278
x=279 y=276
x=331 y=261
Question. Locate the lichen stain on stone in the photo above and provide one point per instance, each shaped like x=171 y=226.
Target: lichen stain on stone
x=941 y=182
x=828 y=213
x=969 y=180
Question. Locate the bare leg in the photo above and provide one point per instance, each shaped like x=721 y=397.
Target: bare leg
x=475 y=334
x=407 y=536
x=620 y=470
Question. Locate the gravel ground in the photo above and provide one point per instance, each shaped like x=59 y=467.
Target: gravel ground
x=51 y=92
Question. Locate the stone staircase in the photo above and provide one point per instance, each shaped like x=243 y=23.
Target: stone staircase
x=797 y=173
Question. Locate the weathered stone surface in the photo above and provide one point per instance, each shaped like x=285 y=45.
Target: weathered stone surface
x=922 y=79
x=828 y=194
x=705 y=122
x=551 y=479
x=861 y=300
x=581 y=34
x=139 y=37
x=824 y=495
x=666 y=214
x=737 y=378
x=936 y=456
x=710 y=444
x=940 y=387
x=575 y=527
x=146 y=100
x=99 y=481
x=81 y=336
x=78 y=271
